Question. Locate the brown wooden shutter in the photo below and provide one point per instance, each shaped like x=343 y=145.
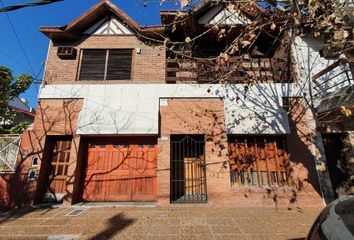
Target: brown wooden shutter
x=119 y=64
x=93 y=65
x=258 y=161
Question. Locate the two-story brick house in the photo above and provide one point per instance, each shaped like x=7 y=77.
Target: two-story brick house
x=123 y=117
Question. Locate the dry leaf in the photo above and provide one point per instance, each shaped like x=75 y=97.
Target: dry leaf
x=184 y=3
x=341 y=35
x=234 y=49
x=251 y=36
x=231 y=7
x=222 y=33
x=346 y=111
x=180 y=14
x=245 y=43
x=225 y=57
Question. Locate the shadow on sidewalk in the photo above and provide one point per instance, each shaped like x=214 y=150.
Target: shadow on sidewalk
x=116 y=224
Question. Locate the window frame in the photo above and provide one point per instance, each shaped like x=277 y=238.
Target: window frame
x=58 y=151
x=107 y=51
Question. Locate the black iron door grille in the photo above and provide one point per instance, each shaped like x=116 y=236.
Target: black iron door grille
x=188 y=177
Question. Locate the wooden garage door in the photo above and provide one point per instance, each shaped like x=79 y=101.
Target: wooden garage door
x=121 y=172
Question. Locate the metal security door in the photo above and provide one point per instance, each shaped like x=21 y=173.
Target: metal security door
x=188 y=178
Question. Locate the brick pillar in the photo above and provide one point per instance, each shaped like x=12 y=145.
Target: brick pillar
x=163 y=171
x=38 y=141
x=217 y=169
x=71 y=176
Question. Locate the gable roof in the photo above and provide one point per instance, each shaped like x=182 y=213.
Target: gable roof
x=108 y=26
x=250 y=12
x=102 y=9
x=221 y=14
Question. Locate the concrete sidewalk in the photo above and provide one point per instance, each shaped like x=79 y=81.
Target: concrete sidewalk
x=176 y=222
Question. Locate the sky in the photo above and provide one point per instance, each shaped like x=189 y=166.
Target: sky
x=27 y=22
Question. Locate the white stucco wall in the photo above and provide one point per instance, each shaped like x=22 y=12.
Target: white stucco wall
x=309 y=62
x=134 y=109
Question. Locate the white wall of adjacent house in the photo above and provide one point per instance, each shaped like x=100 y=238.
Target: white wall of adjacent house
x=219 y=15
x=309 y=63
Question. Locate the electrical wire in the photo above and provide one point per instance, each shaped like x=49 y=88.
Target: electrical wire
x=18 y=40
x=31 y=4
x=14 y=61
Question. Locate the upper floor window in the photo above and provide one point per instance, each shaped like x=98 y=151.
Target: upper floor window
x=106 y=64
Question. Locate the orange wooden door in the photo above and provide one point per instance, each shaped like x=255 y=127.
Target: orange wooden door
x=125 y=172
x=59 y=167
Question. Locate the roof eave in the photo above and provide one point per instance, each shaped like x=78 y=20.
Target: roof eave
x=71 y=31
x=56 y=33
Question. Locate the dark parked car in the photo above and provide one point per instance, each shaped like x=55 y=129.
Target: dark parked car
x=335 y=222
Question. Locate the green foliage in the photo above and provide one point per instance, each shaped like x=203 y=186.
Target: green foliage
x=16 y=129
x=10 y=88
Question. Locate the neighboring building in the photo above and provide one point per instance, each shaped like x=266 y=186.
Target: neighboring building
x=335 y=109
x=10 y=157
x=121 y=118
x=22 y=113
x=9 y=137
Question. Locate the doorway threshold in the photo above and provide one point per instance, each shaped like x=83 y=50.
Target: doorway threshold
x=116 y=204
x=48 y=205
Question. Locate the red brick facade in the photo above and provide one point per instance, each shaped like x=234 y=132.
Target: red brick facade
x=148 y=63
x=206 y=116
x=195 y=116
x=58 y=117
x=179 y=116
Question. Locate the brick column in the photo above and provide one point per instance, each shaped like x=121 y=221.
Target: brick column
x=218 y=170
x=163 y=171
x=71 y=176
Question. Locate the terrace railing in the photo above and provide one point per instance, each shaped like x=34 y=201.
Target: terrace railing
x=336 y=76
x=236 y=70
